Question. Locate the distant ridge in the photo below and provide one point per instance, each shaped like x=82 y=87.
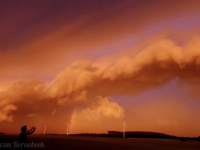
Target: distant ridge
x=138 y=134
x=142 y=134
x=1 y=133
x=133 y=134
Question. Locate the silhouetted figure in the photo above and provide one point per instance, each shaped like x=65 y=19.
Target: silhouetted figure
x=22 y=135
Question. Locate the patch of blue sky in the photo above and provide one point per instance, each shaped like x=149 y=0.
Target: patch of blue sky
x=181 y=23
x=168 y=91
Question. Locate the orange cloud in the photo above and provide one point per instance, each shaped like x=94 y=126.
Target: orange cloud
x=155 y=65
x=103 y=107
x=5 y=112
x=158 y=62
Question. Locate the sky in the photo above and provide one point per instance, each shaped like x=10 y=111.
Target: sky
x=99 y=63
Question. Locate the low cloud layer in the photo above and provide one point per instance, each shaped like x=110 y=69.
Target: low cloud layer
x=158 y=63
x=88 y=83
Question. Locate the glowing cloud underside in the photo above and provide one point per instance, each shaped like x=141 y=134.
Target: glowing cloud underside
x=89 y=83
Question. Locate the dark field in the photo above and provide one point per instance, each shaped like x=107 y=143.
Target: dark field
x=97 y=143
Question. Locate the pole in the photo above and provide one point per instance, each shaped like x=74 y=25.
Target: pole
x=67 y=128
x=124 y=126
x=44 y=129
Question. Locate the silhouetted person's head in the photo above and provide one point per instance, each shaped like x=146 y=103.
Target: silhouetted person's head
x=23 y=129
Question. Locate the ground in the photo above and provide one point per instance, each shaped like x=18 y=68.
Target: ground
x=98 y=143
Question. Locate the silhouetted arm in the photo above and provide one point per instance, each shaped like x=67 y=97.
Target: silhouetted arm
x=30 y=131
